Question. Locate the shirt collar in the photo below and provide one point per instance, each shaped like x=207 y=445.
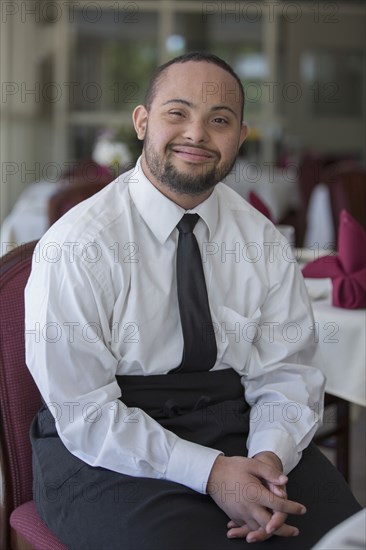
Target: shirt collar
x=162 y=214
x=209 y=212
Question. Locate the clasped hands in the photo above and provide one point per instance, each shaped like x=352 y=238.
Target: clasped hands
x=252 y=492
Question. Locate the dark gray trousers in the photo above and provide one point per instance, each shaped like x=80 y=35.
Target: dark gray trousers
x=91 y=508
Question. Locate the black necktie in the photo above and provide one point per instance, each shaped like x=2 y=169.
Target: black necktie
x=200 y=349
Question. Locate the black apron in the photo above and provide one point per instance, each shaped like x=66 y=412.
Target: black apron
x=92 y=508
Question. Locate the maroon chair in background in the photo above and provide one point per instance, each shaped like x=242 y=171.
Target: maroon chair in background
x=310 y=167
x=20 y=526
x=87 y=170
x=315 y=168
x=346 y=182
x=81 y=182
x=309 y=170
x=70 y=195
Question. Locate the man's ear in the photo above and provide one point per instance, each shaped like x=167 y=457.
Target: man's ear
x=139 y=117
x=243 y=133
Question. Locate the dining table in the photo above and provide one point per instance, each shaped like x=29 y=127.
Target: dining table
x=341 y=336
x=340 y=333
x=276 y=186
x=28 y=220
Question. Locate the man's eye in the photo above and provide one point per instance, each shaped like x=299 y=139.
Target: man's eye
x=176 y=113
x=220 y=120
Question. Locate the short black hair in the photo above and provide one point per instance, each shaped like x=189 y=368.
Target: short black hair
x=191 y=56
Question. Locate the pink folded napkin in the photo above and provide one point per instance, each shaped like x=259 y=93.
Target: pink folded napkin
x=257 y=202
x=348 y=268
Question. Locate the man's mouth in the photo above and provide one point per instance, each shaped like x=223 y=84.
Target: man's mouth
x=193 y=154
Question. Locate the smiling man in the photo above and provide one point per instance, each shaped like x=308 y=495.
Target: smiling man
x=191 y=138
x=179 y=403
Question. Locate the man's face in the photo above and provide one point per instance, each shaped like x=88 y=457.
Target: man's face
x=192 y=131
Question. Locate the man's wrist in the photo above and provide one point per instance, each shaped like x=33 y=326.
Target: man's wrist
x=216 y=466
x=269 y=457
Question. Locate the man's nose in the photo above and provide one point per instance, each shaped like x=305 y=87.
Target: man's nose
x=196 y=131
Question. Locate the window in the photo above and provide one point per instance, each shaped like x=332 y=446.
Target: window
x=334 y=80
x=111 y=60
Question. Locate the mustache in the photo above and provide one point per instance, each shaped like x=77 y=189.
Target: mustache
x=211 y=152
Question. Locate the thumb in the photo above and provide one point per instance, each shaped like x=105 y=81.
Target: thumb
x=268 y=473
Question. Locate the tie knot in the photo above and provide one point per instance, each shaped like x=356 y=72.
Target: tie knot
x=187 y=223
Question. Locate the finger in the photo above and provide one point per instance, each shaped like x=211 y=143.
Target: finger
x=249 y=520
x=238 y=532
x=278 y=490
x=267 y=473
x=286 y=531
x=280 y=529
x=275 y=523
x=269 y=500
x=263 y=517
x=277 y=526
x=277 y=518
x=257 y=536
x=232 y=524
x=245 y=521
x=286 y=506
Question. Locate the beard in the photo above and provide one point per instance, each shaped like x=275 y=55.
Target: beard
x=182 y=182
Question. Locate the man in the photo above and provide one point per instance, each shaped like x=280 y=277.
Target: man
x=148 y=450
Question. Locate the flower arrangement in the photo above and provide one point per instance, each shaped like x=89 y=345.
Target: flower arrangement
x=110 y=152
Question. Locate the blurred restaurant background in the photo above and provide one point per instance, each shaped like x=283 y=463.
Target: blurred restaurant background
x=72 y=72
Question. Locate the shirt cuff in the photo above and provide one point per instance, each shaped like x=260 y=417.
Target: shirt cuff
x=190 y=464
x=277 y=442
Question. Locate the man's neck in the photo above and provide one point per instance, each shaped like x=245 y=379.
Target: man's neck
x=186 y=201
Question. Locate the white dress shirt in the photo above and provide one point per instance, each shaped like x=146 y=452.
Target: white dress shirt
x=102 y=300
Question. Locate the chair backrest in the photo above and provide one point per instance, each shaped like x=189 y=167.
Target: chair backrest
x=309 y=173
x=312 y=168
x=19 y=396
x=347 y=189
x=87 y=170
x=70 y=195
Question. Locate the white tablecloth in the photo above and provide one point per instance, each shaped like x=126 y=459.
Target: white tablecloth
x=277 y=187
x=341 y=336
x=348 y=535
x=319 y=223
x=28 y=220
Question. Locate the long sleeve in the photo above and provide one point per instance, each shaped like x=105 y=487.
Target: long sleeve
x=68 y=337
x=102 y=301
x=283 y=384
